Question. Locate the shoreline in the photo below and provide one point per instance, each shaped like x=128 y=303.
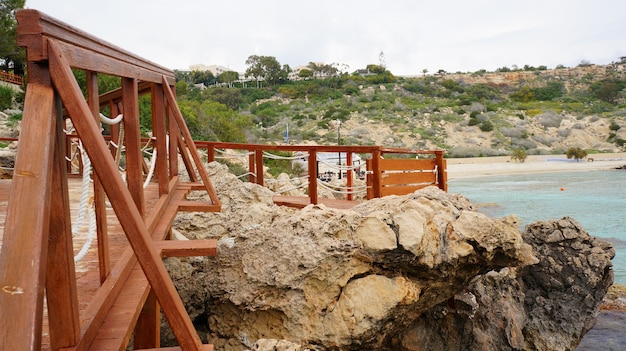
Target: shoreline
x=460 y=168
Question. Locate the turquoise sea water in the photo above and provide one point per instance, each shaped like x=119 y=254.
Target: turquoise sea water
x=596 y=199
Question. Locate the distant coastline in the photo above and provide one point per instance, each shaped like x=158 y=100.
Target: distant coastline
x=503 y=165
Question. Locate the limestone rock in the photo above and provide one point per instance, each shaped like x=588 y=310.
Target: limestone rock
x=546 y=306
x=335 y=279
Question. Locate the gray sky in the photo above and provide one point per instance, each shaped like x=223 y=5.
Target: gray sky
x=453 y=35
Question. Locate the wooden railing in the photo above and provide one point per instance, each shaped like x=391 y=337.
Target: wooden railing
x=37 y=255
x=11 y=77
x=380 y=182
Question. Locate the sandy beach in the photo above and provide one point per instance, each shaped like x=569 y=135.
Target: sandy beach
x=502 y=165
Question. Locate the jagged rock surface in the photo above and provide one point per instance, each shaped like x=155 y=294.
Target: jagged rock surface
x=377 y=276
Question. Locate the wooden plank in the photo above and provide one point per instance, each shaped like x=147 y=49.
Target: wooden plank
x=25 y=246
x=130 y=218
x=197 y=206
x=402 y=164
x=187 y=248
x=61 y=292
x=401 y=190
x=408 y=177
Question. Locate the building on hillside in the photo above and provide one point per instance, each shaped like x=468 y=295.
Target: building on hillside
x=216 y=70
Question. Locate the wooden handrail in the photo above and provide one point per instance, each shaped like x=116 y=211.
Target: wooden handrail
x=255 y=162
x=11 y=77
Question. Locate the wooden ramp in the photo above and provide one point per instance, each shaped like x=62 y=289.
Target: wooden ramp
x=120 y=285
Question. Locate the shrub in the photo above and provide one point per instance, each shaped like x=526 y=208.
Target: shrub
x=576 y=153
x=486 y=126
x=6 y=97
x=614 y=126
x=519 y=155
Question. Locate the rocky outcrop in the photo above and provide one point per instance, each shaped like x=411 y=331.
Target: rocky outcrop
x=546 y=306
x=424 y=271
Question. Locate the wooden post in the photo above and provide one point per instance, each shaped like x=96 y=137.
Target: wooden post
x=159 y=132
x=258 y=154
x=442 y=172
x=61 y=293
x=376 y=183
x=25 y=238
x=132 y=140
x=251 y=167
x=98 y=192
x=313 y=176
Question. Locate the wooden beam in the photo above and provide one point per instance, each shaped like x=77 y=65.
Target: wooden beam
x=188 y=140
x=132 y=141
x=129 y=216
x=35 y=27
x=160 y=132
x=25 y=238
x=99 y=196
x=187 y=248
x=61 y=293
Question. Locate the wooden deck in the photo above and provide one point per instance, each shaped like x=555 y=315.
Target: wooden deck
x=116 y=329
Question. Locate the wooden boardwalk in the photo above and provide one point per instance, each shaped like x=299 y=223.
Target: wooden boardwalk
x=116 y=329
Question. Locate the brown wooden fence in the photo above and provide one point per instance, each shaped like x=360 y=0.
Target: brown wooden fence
x=11 y=77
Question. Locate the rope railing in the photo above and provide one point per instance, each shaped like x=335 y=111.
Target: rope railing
x=348 y=190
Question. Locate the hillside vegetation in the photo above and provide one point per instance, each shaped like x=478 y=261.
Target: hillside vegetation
x=539 y=111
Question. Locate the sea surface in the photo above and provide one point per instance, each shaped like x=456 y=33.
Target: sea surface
x=596 y=199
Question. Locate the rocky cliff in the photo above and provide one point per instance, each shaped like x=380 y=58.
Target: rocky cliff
x=424 y=271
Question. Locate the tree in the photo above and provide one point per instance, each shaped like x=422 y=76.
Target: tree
x=305 y=73
x=576 y=153
x=265 y=68
x=12 y=57
x=519 y=155
x=228 y=77
x=202 y=77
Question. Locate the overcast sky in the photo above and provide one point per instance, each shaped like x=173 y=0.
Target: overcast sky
x=453 y=35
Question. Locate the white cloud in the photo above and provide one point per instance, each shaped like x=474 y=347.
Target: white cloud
x=414 y=35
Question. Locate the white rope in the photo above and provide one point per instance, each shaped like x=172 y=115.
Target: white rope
x=325 y=186
x=91 y=234
x=84 y=195
x=111 y=121
x=236 y=154
x=84 y=207
x=152 y=167
x=276 y=157
x=340 y=167
x=272 y=181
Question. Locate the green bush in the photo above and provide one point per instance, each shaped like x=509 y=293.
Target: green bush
x=486 y=126
x=6 y=97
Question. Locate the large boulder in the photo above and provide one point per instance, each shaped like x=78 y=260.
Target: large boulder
x=336 y=279
x=546 y=306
